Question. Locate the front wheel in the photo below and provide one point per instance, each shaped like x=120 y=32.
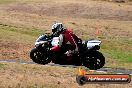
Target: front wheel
x=94 y=60
x=39 y=57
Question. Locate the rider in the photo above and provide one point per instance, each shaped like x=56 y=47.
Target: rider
x=67 y=39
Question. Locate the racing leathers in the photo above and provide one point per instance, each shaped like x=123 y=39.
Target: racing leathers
x=67 y=41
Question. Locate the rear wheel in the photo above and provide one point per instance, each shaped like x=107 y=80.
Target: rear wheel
x=39 y=57
x=94 y=60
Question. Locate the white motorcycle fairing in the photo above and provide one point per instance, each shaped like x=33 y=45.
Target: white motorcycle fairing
x=92 y=43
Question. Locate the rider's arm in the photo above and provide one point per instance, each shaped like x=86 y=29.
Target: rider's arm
x=57 y=47
x=73 y=39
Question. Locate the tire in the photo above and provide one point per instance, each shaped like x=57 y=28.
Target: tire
x=39 y=57
x=94 y=60
x=81 y=80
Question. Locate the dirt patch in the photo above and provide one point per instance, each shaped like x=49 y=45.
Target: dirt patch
x=14 y=50
x=89 y=10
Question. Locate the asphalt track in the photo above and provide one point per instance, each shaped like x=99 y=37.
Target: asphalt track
x=102 y=70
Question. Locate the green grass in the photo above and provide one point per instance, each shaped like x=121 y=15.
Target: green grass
x=24 y=35
x=119 y=55
x=6 y=1
x=117 y=49
x=117 y=52
x=1 y=66
x=22 y=30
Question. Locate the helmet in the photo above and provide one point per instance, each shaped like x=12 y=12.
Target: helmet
x=57 y=27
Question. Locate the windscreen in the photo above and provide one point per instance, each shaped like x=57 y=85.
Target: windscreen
x=42 y=38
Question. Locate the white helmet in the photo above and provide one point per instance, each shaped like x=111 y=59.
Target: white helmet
x=57 y=27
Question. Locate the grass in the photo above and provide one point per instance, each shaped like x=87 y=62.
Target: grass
x=30 y=76
x=1 y=66
x=17 y=75
x=16 y=37
x=6 y=1
x=120 y=55
x=22 y=30
x=116 y=51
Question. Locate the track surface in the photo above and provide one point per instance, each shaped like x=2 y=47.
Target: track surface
x=102 y=70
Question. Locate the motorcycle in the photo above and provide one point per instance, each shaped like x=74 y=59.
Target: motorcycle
x=88 y=55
